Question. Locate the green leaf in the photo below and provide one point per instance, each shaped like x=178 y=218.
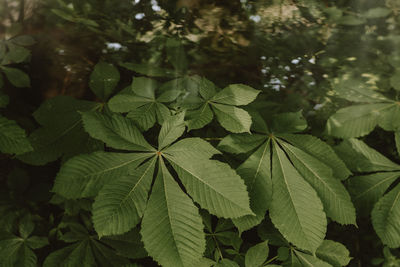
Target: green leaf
x=199 y=118
x=355 y=121
x=351 y=20
x=303 y=221
x=176 y=54
x=171 y=130
x=395 y=80
x=4 y=99
x=241 y=143
x=35 y=242
x=334 y=253
x=334 y=197
x=310 y=261
x=290 y=122
x=256 y=173
x=212 y=184
x=366 y=190
x=207 y=89
x=85 y=175
x=17 y=251
x=13 y=138
x=233 y=119
x=226 y=263
x=386 y=218
x=360 y=157
x=397 y=140
x=149 y=70
x=16 y=54
x=389 y=118
x=121 y=203
x=320 y=150
x=357 y=90
x=128 y=245
x=103 y=80
x=62 y=126
x=73 y=255
x=236 y=94
x=125 y=102
x=377 y=12
x=144 y=87
x=24 y=40
x=116 y=131
x=192 y=148
x=17 y=77
x=172 y=228
x=144 y=116
x=257 y=255
x=86 y=250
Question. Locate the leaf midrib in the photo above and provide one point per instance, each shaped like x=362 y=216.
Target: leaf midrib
x=204 y=182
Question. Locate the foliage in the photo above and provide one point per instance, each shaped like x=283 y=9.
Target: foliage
x=196 y=133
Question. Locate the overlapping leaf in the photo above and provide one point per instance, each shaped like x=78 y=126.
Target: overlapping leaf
x=304 y=169
x=61 y=126
x=360 y=120
x=13 y=139
x=84 y=250
x=172 y=229
x=18 y=250
x=378 y=173
x=142 y=104
x=122 y=183
x=224 y=105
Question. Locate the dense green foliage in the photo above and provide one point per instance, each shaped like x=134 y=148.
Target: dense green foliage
x=200 y=133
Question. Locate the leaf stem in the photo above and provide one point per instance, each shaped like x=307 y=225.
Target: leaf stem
x=271 y=260
x=212 y=138
x=219 y=250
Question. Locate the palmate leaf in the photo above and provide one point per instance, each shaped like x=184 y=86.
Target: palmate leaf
x=223 y=103
x=85 y=250
x=121 y=203
x=84 y=175
x=172 y=228
x=120 y=183
x=335 y=198
x=61 y=127
x=304 y=227
x=13 y=139
x=256 y=173
x=311 y=160
x=18 y=250
x=142 y=103
x=386 y=218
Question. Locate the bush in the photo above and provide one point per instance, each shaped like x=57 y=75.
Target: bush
x=196 y=133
